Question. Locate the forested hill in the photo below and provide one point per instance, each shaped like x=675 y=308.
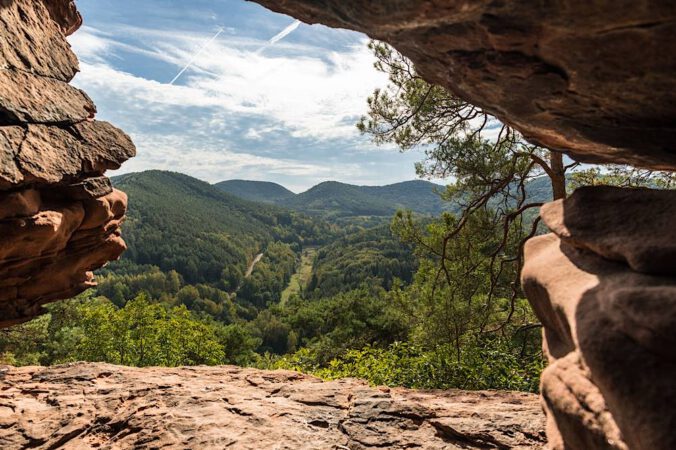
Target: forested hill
x=257 y=191
x=334 y=199
x=180 y=223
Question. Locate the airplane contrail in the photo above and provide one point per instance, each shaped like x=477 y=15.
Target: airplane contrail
x=196 y=55
x=273 y=40
x=281 y=35
x=285 y=32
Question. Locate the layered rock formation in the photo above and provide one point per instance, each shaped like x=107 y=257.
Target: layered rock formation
x=604 y=287
x=104 y=406
x=59 y=216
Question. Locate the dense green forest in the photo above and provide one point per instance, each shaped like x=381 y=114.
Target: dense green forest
x=208 y=237
x=204 y=277
x=373 y=256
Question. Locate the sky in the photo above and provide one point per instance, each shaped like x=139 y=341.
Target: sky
x=227 y=89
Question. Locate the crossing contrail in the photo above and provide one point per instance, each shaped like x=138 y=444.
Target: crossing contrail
x=273 y=40
x=196 y=55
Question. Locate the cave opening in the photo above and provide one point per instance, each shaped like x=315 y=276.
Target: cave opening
x=595 y=83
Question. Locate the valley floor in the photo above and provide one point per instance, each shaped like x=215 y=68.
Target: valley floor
x=303 y=273
x=96 y=405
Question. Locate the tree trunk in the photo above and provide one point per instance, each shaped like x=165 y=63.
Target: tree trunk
x=558 y=176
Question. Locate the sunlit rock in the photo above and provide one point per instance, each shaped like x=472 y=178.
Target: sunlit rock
x=232 y=407
x=609 y=329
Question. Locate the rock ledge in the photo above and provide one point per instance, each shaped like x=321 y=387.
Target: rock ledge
x=95 y=405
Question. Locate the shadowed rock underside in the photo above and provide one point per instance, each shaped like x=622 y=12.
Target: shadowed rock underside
x=593 y=78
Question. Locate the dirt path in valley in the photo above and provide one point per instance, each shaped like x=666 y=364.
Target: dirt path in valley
x=252 y=265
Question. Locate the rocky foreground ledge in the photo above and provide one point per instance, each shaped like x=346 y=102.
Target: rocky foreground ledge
x=94 y=405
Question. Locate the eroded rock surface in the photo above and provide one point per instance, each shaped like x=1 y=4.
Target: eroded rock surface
x=592 y=78
x=59 y=215
x=87 y=405
x=608 y=312
x=635 y=226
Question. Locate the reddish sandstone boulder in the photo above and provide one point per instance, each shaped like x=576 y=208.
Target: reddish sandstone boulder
x=59 y=215
x=609 y=329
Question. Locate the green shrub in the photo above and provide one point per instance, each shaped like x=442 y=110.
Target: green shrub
x=489 y=365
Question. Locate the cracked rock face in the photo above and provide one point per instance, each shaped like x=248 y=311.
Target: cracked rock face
x=59 y=215
x=87 y=405
x=591 y=78
x=605 y=292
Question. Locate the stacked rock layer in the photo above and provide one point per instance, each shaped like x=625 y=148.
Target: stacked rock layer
x=604 y=287
x=59 y=215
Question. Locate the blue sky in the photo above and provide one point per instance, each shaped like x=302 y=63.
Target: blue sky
x=282 y=112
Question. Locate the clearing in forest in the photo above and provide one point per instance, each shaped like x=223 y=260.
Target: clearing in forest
x=302 y=276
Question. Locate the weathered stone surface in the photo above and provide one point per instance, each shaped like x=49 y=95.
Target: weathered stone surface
x=49 y=253
x=59 y=216
x=65 y=13
x=31 y=42
x=576 y=409
x=89 y=188
x=28 y=98
x=88 y=405
x=51 y=154
x=592 y=78
x=10 y=143
x=19 y=204
x=610 y=340
x=636 y=226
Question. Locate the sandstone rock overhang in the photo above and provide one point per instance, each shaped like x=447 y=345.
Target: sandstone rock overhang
x=594 y=79
x=59 y=215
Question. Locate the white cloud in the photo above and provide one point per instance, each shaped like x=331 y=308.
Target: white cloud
x=259 y=133
x=90 y=45
x=313 y=95
x=285 y=115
